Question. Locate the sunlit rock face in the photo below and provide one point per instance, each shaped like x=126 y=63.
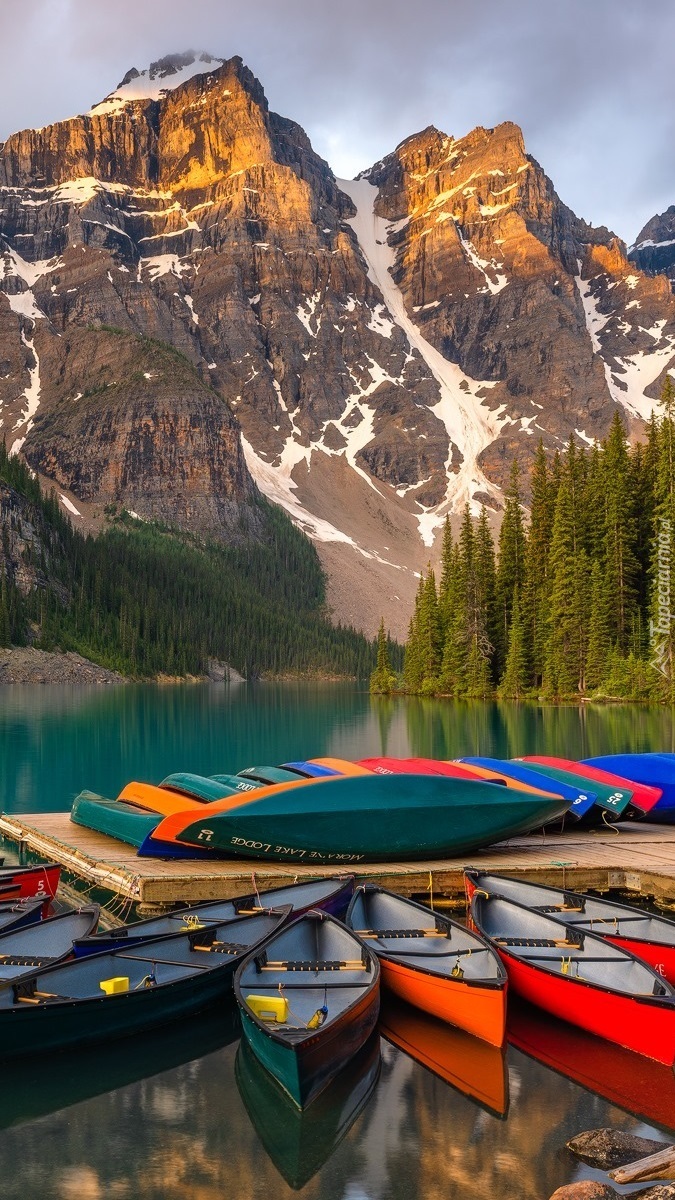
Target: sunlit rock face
x=654 y=249
x=370 y=353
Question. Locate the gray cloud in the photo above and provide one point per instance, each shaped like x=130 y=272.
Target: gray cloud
x=590 y=81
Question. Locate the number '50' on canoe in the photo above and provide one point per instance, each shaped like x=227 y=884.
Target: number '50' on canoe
x=433 y=962
x=375 y=818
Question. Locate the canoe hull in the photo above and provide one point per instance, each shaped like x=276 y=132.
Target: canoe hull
x=306 y=1069
x=114 y=818
x=653 y=769
x=636 y=1025
x=480 y=1011
x=375 y=818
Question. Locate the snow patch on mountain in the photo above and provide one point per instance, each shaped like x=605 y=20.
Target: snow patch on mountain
x=627 y=378
x=470 y=425
x=157 y=80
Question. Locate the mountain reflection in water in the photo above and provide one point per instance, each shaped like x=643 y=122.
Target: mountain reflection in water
x=187 y=1130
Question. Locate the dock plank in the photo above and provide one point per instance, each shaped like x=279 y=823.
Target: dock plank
x=634 y=856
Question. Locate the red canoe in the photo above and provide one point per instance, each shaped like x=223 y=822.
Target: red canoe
x=415 y=766
x=17 y=882
x=644 y=796
x=649 y=937
x=579 y=977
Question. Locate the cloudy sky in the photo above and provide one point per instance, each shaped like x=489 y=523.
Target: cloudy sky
x=590 y=81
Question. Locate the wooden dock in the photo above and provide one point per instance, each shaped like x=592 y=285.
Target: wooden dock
x=633 y=857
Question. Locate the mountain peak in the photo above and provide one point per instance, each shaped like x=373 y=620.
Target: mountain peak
x=155 y=81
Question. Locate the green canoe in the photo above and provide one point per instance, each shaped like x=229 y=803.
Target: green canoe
x=365 y=818
x=201 y=787
x=115 y=818
x=610 y=799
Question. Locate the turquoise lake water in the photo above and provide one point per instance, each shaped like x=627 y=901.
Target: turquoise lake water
x=183 y=1113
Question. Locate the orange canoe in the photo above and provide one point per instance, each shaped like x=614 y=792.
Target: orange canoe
x=433 y=962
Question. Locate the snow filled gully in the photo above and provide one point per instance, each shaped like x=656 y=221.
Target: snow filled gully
x=469 y=423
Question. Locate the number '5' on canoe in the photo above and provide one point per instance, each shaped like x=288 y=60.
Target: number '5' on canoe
x=648 y=937
x=113 y=995
x=433 y=962
x=580 y=978
x=377 y=818
x=309 y=1001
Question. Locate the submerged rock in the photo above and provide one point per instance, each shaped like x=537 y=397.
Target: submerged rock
x=586 y=1189
x=607 y=1148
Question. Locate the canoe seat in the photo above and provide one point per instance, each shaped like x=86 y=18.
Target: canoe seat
x=557 y=908
x=317 y=964
x=403 y=933
x=28 y=993
x=24 y=960
x=216 y=947
x=517 y=941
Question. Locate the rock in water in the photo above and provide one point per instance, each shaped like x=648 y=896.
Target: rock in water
x=586 y=1189
x=607 y=1148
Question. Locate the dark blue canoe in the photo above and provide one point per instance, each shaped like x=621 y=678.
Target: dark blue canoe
x=331 y=895
x=16 y=914
x=309 y=1001
x=106 y=996
x=655 y=769
x=581 y=801
x=44 y=943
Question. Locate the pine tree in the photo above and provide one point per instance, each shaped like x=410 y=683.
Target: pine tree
x=568 y=569
x=413 y=668
x=536 y=586
x=445 y=587
x=511 y=563
x=618 y=541
x=383 y=679
x=599 y=630
x=514 y=680
x=429 y=633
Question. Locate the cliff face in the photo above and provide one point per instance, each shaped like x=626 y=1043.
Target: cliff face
x=654 y=249
x=371 y=353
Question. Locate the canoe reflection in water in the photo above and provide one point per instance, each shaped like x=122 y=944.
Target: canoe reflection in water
x=470 y=1065
x=26 y=1095
x=639 y=1085
x=300 y=1141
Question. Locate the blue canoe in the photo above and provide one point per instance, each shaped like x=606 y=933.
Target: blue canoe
x=658 y=770
x=581 y=802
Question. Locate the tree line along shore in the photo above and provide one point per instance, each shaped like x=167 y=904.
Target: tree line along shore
x=574 y=602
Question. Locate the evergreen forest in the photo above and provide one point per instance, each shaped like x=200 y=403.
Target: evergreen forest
x=146 y=600
x=573 y=602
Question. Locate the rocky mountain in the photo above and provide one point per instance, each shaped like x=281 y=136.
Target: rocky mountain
x=191 y=305
x=654 y=249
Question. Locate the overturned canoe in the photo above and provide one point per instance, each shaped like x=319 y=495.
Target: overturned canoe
x=330 y=895
x=370 y=817
x=309 y=1001
x=656 y=770
x=610 y=800
x=581 y=798
x=580 y=978
x=643 y=798
x=432 y=961
x=649 y=937
x=108 y=996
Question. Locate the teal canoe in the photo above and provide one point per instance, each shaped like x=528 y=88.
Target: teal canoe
x=364 y=818
x=608 y=798
x=201 y=787
x=115 y=818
